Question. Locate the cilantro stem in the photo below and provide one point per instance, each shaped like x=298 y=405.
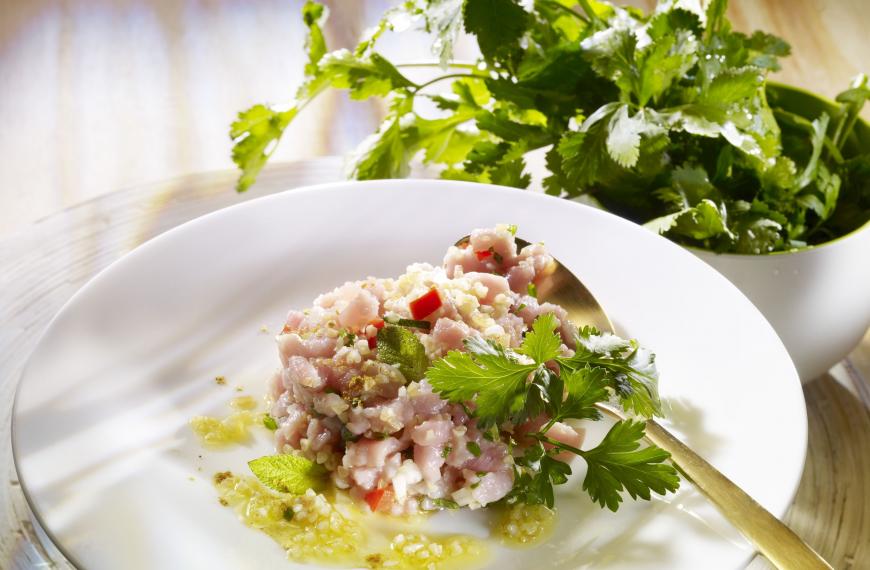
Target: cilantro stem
x=593 y=17
x=443 y=77
x=431 y=64
x=787 y=117
x=564 y=8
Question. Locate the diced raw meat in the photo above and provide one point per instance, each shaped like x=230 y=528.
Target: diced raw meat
x=429 y=459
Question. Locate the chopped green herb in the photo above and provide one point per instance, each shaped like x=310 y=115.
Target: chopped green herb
x=346 y=337
x=496 y=256
x=270 y=422
x=512 y=228
x=446 y=451
x=473 y=448
x=347 y=435
x=445 y=504
x=521 y=307
x=532 y=290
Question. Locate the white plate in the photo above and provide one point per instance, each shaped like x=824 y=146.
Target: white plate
x=100 y=422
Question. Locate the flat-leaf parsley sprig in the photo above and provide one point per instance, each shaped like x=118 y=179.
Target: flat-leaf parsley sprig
x=509 y=387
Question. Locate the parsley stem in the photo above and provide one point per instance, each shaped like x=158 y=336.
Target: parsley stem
x=442 y=77
x=558 y=444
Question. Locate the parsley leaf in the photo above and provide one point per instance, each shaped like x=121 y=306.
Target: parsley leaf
x=289 y=473
x=495 y=383
x=540 y=344
x=617 y=465
x=398 y=345
x=585 y=387
x=628 y=369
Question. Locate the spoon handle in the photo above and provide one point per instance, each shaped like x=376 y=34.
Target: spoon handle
x=774 y=540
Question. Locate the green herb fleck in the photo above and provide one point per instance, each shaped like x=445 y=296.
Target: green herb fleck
x=532 y=290
x=270 y=422
x=445 y=504
x=446 y=451
x=473 y=447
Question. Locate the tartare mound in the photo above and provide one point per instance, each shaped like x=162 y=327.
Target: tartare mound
x=389 y=439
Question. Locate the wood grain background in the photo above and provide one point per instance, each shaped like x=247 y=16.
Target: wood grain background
x=100 y=95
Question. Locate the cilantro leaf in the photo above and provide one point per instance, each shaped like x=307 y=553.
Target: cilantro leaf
x=256 y=133
x=398 y=345
x=288 y=473
x=541 y=344
x=617 y=465
x=314 y=15
x=624 y=136
x=498 y=26
x=496 y=384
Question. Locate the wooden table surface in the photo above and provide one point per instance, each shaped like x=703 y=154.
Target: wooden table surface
x=102 y=95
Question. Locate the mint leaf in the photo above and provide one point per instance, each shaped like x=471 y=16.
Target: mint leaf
x=399 y=346
x=287 y=473
x=616 y=465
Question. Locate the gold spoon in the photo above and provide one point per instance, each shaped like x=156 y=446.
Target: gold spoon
x=772 y=538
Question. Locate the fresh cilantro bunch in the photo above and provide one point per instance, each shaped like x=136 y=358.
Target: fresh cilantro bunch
x=506 y=388
x=664 y=118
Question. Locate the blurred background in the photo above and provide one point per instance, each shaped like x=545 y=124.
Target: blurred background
x=102 y=95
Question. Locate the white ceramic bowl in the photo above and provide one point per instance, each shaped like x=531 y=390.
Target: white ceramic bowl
x=817 y=299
